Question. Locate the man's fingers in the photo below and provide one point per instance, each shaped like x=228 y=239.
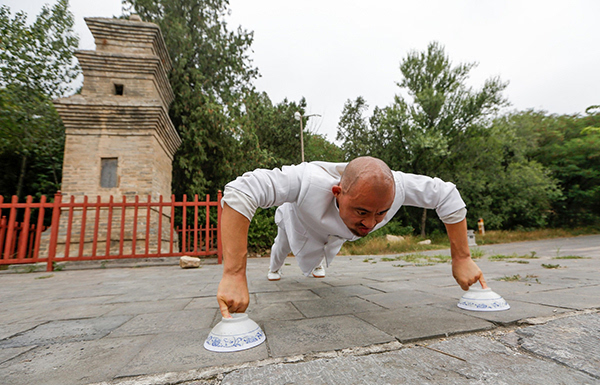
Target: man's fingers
x=482 y=282
x=224 y=309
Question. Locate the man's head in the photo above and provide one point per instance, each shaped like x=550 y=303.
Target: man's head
x=365 y=194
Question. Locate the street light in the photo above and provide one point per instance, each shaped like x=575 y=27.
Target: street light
x=298 y=116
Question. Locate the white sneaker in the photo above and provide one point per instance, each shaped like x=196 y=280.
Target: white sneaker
x=319 y=271
x=274 y=275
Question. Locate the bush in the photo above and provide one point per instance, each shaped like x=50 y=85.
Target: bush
x=262 y=231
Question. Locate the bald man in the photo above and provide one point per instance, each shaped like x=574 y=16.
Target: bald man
x=321 y=205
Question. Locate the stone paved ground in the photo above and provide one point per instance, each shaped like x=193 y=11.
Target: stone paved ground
x=368 y=322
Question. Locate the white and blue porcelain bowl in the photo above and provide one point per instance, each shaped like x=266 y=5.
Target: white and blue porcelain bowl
x=234 y=334
x=477 y=299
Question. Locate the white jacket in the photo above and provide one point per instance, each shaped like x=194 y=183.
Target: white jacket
x=308 y=210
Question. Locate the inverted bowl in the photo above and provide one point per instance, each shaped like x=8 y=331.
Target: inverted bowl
x=477 y=299
x=234 y=334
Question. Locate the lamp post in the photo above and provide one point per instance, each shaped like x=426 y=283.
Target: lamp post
x=299 y=116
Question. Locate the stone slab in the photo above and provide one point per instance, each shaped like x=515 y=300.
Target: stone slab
x=284 y=296
x=390 y=286
x=518 y=311
x=286 y=338
x=157 y=323
x=66 y=331
x=402 y=298
x=335 y=306
x=274 y=311
x=10 y=353
x=344 y=291
x=10 y=329
x=485 y=362
x=572 y=341
x=490 y=361
x=579 y=298
x=415 y=323
x=145 y=307
x=72 y=363
x=203 y=303
x=185 y=351
x=348 y=279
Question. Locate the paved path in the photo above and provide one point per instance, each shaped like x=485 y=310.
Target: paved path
x=368 y=322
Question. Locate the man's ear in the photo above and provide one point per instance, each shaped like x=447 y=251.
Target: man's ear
x=336 y=190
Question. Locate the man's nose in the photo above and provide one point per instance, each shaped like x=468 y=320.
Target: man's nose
x=370 y=222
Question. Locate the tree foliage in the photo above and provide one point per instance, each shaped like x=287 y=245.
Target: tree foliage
x=40 y=56
x=569 y=147
x=441 y=127
x=36 y=65
x=211 y=78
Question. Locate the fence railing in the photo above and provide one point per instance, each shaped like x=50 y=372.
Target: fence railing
x=80 y=230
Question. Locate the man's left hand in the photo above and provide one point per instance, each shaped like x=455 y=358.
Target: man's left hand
x=466 y=272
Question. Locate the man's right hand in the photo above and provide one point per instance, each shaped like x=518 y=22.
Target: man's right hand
x=232 y=295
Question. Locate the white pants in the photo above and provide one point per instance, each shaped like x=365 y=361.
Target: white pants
x=280 y=250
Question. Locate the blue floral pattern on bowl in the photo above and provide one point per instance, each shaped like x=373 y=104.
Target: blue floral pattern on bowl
x=235 y=343
x=493 y=305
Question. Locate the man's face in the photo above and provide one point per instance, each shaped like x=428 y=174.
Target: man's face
x=363 y=207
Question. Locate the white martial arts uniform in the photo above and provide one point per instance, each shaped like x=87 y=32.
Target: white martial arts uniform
x=309 y=224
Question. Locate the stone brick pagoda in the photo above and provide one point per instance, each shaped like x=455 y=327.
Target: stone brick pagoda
x=119 y=138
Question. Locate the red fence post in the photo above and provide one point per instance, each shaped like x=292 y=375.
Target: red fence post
x=2 y=233
x=184 y=224
x=83 y=224
x=69 y=226
x=207 y=238
x=109 y=225
x=22 y=248
x=11 y=226
x=54 y=231
x=38 y=228
x=160 y=214
x=148 y=218
x=122 y=234
x=219 y=246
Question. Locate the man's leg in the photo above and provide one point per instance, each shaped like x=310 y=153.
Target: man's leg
x=279 y=252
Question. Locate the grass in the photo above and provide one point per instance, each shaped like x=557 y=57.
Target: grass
x=512 y=257
x=510 y=278
x=477 y=253
x=45 y=276
x=550 y=266
x=518 y=278
x=503 y=236
x=571 y=257
x=376 y=244
x=418 y=259
x=379 y=246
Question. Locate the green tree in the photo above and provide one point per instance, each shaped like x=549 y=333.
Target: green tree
x=568 y=146
x=36 y=64
x=317 y=147
x=353 y=129
x=277 y=131
x=421 y=132
x=39 y=57
x=211 y=78
x=500 y=182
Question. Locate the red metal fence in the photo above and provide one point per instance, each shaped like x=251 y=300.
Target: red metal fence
x=81 y=231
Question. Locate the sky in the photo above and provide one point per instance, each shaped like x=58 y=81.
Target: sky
x=330 y=51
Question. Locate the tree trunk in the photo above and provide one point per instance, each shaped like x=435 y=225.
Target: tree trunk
x=423 y=221
x=21 y=176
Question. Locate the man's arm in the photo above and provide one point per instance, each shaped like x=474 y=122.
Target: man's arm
x=465 y=271
x=259 y=188
x=232 y=293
